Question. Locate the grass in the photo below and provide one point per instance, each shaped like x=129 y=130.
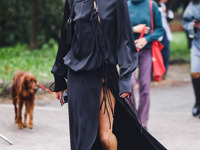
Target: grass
x=1 y=89
x=40 y=62
x=179 y=46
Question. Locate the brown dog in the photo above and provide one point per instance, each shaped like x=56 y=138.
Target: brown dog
x=23 y=91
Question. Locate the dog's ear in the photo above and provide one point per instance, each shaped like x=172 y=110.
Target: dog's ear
x=26 y=83
x=22 y=84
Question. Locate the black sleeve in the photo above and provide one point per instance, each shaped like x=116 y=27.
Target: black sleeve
x=126 y=51
x=59 y=69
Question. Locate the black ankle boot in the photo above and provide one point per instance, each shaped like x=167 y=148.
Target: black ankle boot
x=196 y=111
x=196 y=86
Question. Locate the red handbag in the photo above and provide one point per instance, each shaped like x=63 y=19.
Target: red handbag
x=157 y=59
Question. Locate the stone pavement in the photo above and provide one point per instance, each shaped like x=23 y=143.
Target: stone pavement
x=170 y=119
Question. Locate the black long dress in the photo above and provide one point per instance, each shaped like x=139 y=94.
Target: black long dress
x=82 y=63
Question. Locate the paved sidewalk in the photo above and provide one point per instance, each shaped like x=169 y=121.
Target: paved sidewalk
x=50 y=131
x=170 y=121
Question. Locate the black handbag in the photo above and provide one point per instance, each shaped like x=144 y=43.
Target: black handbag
x=69 y=25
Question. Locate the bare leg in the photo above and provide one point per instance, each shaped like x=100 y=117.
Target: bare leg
x=107 y=138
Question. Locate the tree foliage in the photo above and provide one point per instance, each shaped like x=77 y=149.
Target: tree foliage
x=179 y=3
x=16 y=20
x=19 y=25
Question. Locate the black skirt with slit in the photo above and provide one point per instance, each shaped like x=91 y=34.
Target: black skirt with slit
x=84 y=95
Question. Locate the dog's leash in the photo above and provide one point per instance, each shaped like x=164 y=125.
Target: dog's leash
x=45 y=89
x=48 y=90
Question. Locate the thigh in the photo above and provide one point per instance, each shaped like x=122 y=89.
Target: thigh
x=106 y=112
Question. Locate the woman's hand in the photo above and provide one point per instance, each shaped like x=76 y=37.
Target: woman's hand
x=59 y=95
x=140 y=43
x=123 y=95
x=139 y=28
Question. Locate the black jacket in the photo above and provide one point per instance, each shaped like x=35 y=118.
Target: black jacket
x=83 y=54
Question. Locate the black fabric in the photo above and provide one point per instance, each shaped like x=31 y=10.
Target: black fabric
x=81 y=60
x=196 y=86
x=61 y=84
x=84 y=93
x=69 y=24
x=129 y=132
x=85 y=53
x=59 y=69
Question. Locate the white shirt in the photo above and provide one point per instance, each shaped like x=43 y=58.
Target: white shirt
x=165 y=23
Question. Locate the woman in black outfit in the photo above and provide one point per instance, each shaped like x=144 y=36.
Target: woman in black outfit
x=98 y=114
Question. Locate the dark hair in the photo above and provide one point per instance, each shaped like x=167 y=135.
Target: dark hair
x=157 y=1
x=168 y=4
x=195 y=1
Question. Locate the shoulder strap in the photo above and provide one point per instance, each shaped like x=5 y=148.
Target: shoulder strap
x=151 y=10
x=72 y=11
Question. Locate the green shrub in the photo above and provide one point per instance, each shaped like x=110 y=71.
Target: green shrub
x=38 y=62
x=179 y=46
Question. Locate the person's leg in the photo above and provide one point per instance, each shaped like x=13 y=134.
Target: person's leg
x=165 y=51
x=195 y=69
x=107 y=138
x=196 y=87
x=145 y=69
x=131 y=101
x=133 y=82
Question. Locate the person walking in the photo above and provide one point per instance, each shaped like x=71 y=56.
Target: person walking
x=167 y=15
x=191 y=23
x=141 y=19
x=99 y=117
